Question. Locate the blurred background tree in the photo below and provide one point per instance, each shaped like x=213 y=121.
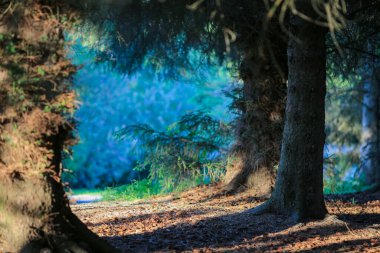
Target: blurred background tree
x=128 y=34
x=110 y=100
x=197 y=29
x=352 y=114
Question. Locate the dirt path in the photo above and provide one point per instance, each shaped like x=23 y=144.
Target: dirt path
x=199 y=221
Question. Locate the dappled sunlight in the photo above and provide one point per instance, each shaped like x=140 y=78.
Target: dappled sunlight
x=198 y=220
x=189 y=126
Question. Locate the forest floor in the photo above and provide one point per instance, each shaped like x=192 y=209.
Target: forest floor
x=202 y=221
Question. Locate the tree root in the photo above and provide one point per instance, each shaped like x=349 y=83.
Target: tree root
x=264 y=208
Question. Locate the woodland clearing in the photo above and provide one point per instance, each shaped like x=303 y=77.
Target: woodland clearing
x=200 y=220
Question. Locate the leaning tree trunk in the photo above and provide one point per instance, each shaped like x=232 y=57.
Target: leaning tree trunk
x=256 y=152
x=298 y=190
x=370 y=150
x=35 y=102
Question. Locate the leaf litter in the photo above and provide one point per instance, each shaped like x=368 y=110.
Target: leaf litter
x=203 y=220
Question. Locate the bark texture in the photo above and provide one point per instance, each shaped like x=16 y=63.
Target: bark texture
x=256 y=152
x=35 y=107
x=370 y=148
x=298 y=190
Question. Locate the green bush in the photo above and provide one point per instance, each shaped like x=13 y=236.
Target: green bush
x=191 y=150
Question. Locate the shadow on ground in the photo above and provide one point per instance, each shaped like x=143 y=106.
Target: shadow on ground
x=243 y=232
x=194 y=224
x=228 y=230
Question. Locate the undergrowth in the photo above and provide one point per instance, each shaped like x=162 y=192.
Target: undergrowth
x=342 y=173
x=145 y=189
x=142 y=189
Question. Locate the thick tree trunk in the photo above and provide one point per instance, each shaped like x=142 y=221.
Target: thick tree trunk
x=256 y=151
x=34 y=99
x=35 y=217
x=298 y=190
x=370 y=150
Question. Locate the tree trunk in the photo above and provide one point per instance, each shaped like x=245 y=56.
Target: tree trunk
x=370 y=150
x=298 y=190
x=255 y=153
x=35 y=101
x=36 y=217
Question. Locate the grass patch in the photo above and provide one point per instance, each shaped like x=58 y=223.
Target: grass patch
x=85 y=191
x=344 y=187
x=137 y=190
x=142 y=189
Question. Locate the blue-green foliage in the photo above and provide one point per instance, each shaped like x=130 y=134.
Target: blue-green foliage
x=109 y=101
x=194 y=148
x=343 y=128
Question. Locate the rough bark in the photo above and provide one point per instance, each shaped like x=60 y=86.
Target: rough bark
x=35 y=102
x=255 y=153
x=370 y=149
x=298 y=190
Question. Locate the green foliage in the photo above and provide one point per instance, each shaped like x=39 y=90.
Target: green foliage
x=161 y=32
x=343 y=129
x=341 y=173
x=190 y=149
x=343 y=111
x=141 y=189
x=136 y=190
x=135 y=35
x=109 y=101
x=339 y=186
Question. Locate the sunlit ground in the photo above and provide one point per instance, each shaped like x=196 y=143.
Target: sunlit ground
x=201 y=221
x=132 y=208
